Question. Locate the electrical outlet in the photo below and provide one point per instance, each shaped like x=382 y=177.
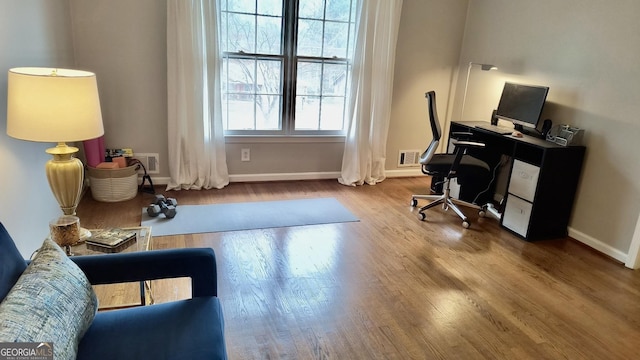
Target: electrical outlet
x=245 y=155
x=151 y=162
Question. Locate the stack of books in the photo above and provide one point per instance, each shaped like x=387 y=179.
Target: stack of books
x=111 y=240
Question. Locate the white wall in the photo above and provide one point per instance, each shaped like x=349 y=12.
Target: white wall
x=587 y=52
x=124 y=42
x=32 y=33
x=427 y=53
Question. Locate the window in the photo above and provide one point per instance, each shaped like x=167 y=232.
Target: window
x=286 y=65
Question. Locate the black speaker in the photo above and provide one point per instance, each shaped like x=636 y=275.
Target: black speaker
x=546 y=126
x=494 y=118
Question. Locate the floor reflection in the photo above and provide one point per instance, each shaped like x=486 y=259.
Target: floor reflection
x=294 y=270
x=311 y=252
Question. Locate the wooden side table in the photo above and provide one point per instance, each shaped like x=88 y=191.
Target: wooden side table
x=116 y=296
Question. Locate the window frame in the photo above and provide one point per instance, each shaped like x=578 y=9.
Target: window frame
x=290 y=60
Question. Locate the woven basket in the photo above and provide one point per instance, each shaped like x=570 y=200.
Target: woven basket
x=113 y=185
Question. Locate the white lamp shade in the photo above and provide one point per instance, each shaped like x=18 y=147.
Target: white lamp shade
x=53 y=105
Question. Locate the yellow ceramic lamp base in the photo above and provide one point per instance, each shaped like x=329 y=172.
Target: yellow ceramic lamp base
x=66 y=178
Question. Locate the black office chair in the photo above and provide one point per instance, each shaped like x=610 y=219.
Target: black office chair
x=448 y=166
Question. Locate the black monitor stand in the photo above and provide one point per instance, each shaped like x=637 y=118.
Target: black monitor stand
x=528 y=131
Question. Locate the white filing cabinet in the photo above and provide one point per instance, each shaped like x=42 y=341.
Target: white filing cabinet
x=524 y=180
x=517 y=214
x=522 y=191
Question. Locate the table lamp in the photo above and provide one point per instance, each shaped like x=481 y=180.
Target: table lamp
x=56 y=105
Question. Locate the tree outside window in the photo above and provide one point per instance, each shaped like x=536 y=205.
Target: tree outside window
x=286 y=65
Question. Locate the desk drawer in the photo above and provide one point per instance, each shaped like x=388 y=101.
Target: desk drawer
x=517 y=213
x=524 y=180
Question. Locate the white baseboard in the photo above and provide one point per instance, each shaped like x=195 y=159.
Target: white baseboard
x=264 y=177
x=164 y=180
x=283 y=176
x=313 y=176
x=295 y=176
x=598 y=245
x=404 y=173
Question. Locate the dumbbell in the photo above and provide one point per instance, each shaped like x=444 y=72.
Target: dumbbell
x=159 y=198
x=167 y=201
x=162 y=205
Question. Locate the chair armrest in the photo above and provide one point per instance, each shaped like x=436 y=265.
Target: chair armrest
x=198 y=264
x=460 y=149
x=467 y=144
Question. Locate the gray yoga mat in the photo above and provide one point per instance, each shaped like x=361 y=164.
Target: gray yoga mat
x=192 y=219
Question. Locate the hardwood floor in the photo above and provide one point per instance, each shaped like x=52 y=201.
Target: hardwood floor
x=393 y=287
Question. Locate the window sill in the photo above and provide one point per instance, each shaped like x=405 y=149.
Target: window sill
x=275 y=139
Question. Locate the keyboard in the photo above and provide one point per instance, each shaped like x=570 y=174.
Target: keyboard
x=502 y=130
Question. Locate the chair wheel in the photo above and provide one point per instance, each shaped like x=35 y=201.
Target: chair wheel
x=465 y=224
x=414 y=202
x=422 y=216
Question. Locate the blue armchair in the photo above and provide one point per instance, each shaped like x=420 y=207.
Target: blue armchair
x=185 y=329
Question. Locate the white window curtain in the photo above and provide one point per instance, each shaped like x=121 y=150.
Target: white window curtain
x=371 y=89
x=197 y=158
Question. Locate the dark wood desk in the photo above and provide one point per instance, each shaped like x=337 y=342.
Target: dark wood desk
x=541 y=180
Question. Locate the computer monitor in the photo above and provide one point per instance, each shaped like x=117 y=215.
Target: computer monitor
x=522 y=104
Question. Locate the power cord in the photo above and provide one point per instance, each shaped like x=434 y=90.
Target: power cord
x=149 y=189
x=495 y=169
